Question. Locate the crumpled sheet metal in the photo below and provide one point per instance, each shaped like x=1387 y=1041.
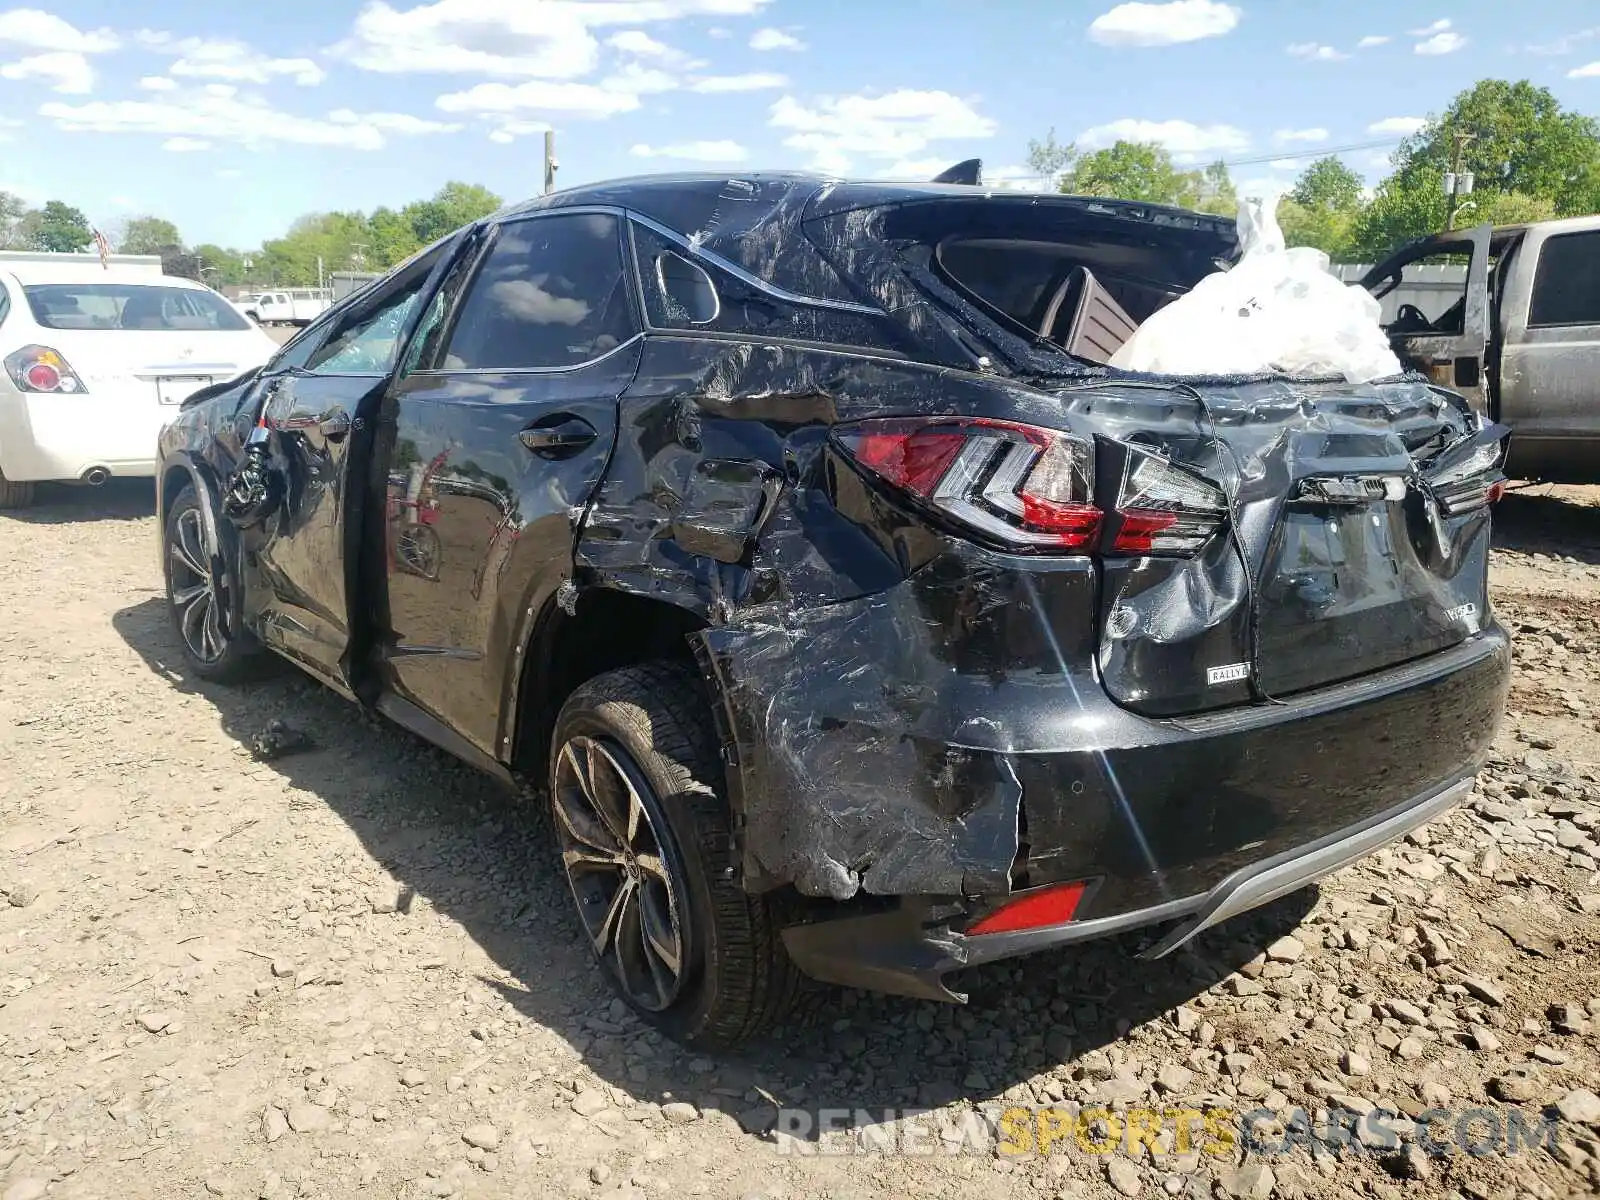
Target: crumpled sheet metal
x=852 y=768
x=869 y=733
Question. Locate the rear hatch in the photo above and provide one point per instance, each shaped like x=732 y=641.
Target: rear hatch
x=1255 y=537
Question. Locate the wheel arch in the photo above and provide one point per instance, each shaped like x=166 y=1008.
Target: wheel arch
x=577 y=637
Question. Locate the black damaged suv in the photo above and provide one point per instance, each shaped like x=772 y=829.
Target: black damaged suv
x=862 y=623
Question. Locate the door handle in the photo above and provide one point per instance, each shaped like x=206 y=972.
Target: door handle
x=559 y=436
x=335 y=424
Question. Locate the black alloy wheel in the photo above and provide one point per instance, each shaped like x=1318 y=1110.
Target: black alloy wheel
x=623 y=875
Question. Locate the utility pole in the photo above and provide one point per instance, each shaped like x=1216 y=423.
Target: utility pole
x=549 y=161
x=1457 y=183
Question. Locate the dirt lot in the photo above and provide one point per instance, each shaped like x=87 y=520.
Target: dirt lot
x=351 y=970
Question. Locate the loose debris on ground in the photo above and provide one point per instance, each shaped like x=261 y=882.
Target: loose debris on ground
x=230 y=970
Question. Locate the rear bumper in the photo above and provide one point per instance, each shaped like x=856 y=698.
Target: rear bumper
x=62 y=437
x=900 y=951
x=1193 y=822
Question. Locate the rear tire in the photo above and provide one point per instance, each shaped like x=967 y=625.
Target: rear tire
x=15 y=495
x=200 y=594
x=641 y=738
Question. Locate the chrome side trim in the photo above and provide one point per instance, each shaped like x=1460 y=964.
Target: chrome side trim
x=1252 y=887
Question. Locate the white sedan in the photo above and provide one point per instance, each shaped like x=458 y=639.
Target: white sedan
x=96 y=361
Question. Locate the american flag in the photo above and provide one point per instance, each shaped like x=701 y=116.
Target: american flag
x=104 y=247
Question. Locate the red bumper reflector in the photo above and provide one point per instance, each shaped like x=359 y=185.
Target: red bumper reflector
x=1047 y=906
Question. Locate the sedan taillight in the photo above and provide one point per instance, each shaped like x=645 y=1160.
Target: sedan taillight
x=1034 y=489
x=41 y=369
x=1025 y=487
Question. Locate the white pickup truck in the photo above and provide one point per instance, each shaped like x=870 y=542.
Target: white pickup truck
x=289 y=306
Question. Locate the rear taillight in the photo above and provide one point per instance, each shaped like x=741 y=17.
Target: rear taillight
x=1028 y=488
x=1034 y=489
x=1161 y=508
x=41 y=369
x=1471 y=479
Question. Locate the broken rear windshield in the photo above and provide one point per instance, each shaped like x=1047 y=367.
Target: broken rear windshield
x=130 y=306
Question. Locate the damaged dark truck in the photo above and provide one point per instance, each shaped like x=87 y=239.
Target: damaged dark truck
x=862 y=624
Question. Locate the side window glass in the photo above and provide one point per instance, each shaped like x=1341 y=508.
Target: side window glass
x=551 y=293
x=299 y=349
x=1566 y=287
x=369 y=342
x=5 y=304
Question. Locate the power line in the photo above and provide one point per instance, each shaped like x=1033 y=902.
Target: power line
x=1320 y=152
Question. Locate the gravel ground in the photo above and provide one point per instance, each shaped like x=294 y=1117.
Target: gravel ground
x=350 y=970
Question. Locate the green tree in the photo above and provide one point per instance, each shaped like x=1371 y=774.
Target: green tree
x=1129 y=171
x=452 y=206
x=218 y=266
x=1329 y=185
x=393 y=237
x=13 y=236
x=148 y=235
x=1322 y=208
x=61 y=229
x=1515 y=138
x=1212 y=191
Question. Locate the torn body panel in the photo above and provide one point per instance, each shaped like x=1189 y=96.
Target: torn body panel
x=909 y=713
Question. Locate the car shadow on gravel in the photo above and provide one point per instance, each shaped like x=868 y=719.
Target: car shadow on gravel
x=78 y=504
x=1534 y=522
x=480 y=855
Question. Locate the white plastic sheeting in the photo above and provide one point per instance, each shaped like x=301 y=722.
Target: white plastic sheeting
x=1275 y=310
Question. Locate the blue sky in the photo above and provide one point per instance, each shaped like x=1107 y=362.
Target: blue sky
x=232 y=119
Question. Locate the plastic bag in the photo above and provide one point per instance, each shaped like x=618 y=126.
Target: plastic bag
x=1276 y=310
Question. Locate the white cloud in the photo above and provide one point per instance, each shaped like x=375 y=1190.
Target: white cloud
x=1318 y=53
x=1284 y=136
x=833 y=130
x=1404 y=126
x=633 y=79
x=919 y=170
x=1565 y=44
x=225 y=58
x=510 y=131
x=1440 y=43
x=230 y=173
x=641 y=45
x=1180 y=137
x=1438 y=26
x=390 y=122
x=1017 y=179
x=1589 y=71
x=775 y=39
x=1371 y=40
x=580 y=99
x=721 y=151
x=1284 y=164
x=1140 y=24
x=512 y=39
x=45 y=31
x=755 y=81
x=158 y=83
x=216 y=115
x=65 y=71
x=719 y=32
x=185 y=145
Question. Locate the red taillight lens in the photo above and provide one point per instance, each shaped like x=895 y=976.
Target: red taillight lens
x=41 y=369
x=1162 y=508
x=1054 y=905
x=42 y=377
x=1025 y=487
